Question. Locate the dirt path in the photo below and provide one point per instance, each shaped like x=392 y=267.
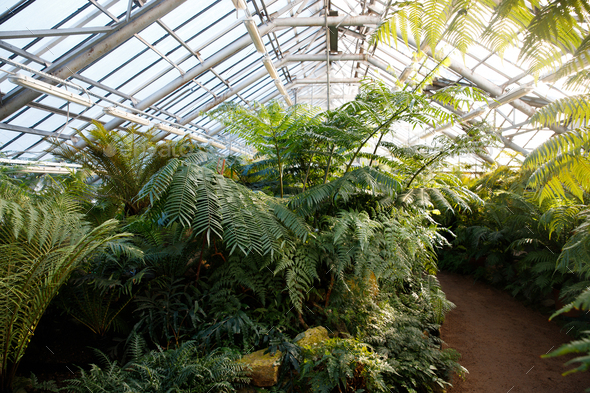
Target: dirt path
x=500 y=341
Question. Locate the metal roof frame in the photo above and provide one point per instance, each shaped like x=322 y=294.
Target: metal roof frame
x=186 y=58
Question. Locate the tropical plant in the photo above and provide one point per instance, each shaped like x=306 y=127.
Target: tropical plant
x=561 y=166
x=343 y=364
x=168 y=312
x=161 y=371
x=213 y=206
x=123 y=161
x=271 y=129
x=547 y=30
x=408 y=344
x=41 y=244
x=96 y=308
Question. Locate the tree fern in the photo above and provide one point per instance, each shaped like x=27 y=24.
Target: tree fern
x=366 y=179
x=40 y=247
x=561 y=165
x=124 y=161
x=214 y=206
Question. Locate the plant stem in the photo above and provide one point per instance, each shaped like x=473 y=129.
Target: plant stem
x=301 y=320
x=200 y=259
x=329 y=162
x=424 y=167
x=280 y=164
x=329 y=289
x=307 y=172
x=392 y=118
x=376 y=147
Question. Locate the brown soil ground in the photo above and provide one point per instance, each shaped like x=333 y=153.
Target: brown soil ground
x=501 y=341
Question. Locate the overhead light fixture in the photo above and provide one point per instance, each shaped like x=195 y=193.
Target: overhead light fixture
x=172 y=130
x=111 y=110
x=280 y=87
x=42 y=87
x=198 y=138
x=255 y=35
x=473 y=114
x=288 y=100
x=468 y=116
x=217 y=145
x=511 y=96
x=406 y=73
x=239 y=4
x=270 y=67
x=235 y=149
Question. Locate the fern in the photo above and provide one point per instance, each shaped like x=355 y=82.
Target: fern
x=40 y=245
x=575 y=347
x=159 y=371
x=214 y=206
x=561 y=164
x=363 y=179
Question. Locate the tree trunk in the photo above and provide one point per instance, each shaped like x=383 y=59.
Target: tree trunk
x=329 y=162
x=423 y=167
x=307 y=172
x=280 y=164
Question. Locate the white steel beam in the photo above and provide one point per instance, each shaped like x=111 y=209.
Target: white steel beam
x=8 y=35
x=27 y=130
x=262 y=73
x=361 y=20
x=24 y=53
x=484 y=84
x=47 y=47
x=319 y=81
x=20 y=97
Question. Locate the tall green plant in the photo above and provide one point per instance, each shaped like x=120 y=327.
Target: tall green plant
x=270 y=129
x=40 y=245
x=123 y=161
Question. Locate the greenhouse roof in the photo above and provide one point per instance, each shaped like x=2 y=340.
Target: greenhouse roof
x=170 y=61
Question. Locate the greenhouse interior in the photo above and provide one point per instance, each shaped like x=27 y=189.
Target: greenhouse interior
x=320 y=196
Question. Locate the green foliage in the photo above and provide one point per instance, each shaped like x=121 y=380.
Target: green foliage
x=179 y=370
x=45 y=386
x=168 y=312
x=347 y=365
x=351 y=183
x=542 y=31
x=41 y=244
x=407 y=344
x=97 y=309
x=561 y=166
x=216 y=207
x=214 y=264
x=271 y=129
x=575 y=347
x=123 y=161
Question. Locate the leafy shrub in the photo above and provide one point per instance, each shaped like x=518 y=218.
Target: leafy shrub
x=345 y=364
x=168 y=311
x=412 y=349
x=402 y=324
x=179 y=370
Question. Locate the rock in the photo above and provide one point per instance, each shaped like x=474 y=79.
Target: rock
x=265 y=367
x=312 y=336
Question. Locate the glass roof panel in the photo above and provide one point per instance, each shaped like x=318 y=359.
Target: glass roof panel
x=138 y=73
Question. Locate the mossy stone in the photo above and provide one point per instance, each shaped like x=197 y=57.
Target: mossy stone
x=265 y=367
x=312 y=336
